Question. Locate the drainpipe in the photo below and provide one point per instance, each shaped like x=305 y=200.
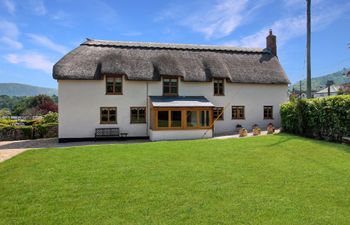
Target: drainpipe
x=147 y=111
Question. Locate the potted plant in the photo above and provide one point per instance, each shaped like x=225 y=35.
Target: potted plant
x=256 y=131
x=243 y=132
x=270 y=128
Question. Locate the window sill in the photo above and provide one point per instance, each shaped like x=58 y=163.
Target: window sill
x=137 y=122
x=170 y=95
x=219 y=95
x=238 y=119
x=108 y=123
x=180 y=129
x=114 y=93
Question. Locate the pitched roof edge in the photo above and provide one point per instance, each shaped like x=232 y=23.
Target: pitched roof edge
x=171 y=46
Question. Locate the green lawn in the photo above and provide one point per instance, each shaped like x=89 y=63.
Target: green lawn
x=276 y=179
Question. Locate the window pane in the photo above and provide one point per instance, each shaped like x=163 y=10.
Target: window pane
x=166 y=89
x=219 y=87
x=204 y=118
x=112 y=115
x=238 y=112
x=169 y=86
x=142 y=115
x=173 y=90
x=104 y=115
x=118 y=88
x=133 y=115
x=175 y=118
x=173 y=82
x=137 y=115
x=109 y=86
x=217 y=113
x=163 y=118
x=191 y=118
x=112 y=118
x=268 y=112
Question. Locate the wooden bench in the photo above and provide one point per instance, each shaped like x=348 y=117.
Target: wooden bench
x=107 y=133
x=346 y=140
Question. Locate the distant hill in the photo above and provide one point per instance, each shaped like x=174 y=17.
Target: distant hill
x=15 y=89
x=318 y=83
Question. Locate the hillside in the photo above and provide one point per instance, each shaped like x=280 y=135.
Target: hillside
x=319 y=83
x=15 y=89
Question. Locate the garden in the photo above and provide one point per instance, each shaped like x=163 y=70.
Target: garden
x=272 y=179
x=41 y=127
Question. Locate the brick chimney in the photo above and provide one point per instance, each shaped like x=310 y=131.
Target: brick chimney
x=271 y=43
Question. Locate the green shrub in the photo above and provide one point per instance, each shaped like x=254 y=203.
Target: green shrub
x=51 y=117
x=8 y=122
x=327 y=118
x=27 y=131
x=41 y=129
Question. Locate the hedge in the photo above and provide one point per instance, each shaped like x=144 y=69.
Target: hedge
x=325 y=118
x=10 y=132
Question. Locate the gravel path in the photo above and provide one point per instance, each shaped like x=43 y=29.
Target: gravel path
x=9 y=149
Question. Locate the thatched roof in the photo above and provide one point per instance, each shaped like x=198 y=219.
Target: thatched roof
x=149 y=61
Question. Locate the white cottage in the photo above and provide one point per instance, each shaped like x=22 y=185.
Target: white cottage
x=167 y=91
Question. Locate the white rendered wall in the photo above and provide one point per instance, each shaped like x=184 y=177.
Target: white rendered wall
x=80 y=102
x=252 y=96
x=158 y=135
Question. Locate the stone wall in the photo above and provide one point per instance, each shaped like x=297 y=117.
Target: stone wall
x=28 y=132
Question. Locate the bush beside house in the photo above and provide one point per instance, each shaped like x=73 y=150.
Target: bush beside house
x=324 y=118
x=47 y=127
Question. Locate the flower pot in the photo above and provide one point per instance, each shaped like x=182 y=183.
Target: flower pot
x=256 y=131
x=243 y=132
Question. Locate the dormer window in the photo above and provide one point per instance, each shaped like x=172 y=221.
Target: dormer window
x=170 y=86
x=114 y=85
x=218 y=87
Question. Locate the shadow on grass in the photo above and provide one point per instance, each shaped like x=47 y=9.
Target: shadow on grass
x=289 y=137
x=53 y=143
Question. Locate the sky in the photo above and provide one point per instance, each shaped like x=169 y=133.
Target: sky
x=35 y=34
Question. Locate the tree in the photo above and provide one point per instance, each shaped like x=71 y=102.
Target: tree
x=344 y=89
x=43 y=104
x=5 y=112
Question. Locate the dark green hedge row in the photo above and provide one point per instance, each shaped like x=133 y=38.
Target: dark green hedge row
x=11 y=132
x=326 y=118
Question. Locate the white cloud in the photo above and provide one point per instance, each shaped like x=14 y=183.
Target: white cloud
x=292 y=27
x=224 y=18
x=46 y=42
x=9 y=29
x=285 y=29
x=9 y=5
x=9 y=34
x=31 y=60
x=38 y=7
x=11 y=42
x=214 y=20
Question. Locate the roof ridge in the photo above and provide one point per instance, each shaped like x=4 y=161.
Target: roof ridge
x=108 y=43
